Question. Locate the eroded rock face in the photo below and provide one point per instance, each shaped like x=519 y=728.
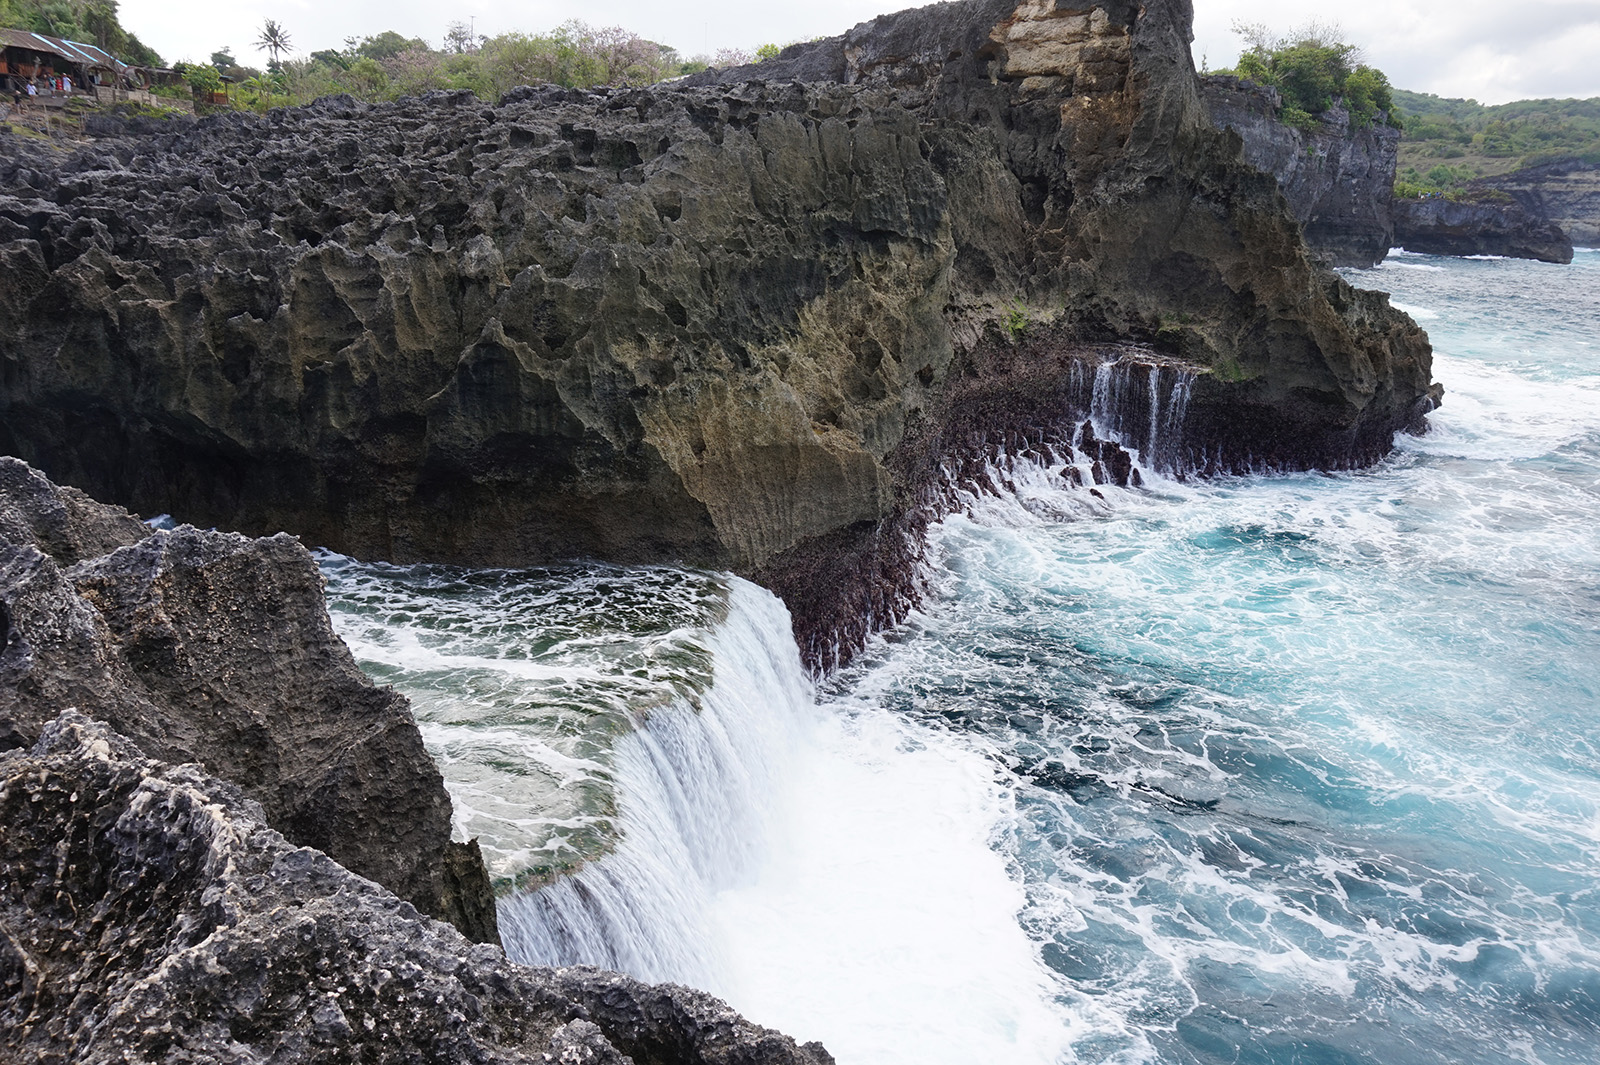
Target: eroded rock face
x=1563 y=192
x=148 y=913
x=215 y=648
x=1444 y=227
x=1338 y=178
x=695 y=323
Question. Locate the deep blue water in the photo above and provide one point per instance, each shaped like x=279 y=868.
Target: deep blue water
x=1294 y=769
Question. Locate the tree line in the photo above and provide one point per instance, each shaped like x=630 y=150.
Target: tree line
x=86 y=21
x=1449 y=142
x=389 y=65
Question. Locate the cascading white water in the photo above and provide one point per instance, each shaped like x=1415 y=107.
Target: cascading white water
x=1145 y=415
x=828 y=870
x=1270 y=769
x=1122 y=428
x=694 y=793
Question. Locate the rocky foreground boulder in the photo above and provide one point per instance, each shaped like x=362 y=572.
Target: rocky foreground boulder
x=215 y=648
x=148 y=913
x=173 y=705
x=715 y=323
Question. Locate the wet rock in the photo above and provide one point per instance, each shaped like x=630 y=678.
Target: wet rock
x=217 y=649
x=149 y=913
x=1112 y=462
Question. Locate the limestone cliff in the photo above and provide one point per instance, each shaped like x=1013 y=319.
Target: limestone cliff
x=1563 y=192
x=1440 y=226
x=1339 y=177
x=214 y=648
x=711 y=323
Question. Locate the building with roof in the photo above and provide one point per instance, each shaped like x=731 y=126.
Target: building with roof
x=26 y=55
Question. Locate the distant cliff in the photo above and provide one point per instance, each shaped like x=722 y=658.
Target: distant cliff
x=1338 y=177
x=1564 y=192
x=1490 y=226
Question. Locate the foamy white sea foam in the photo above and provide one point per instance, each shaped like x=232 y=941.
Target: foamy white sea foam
x=1268 y=769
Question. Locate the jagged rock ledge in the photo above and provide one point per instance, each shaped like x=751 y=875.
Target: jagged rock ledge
x=215 y=648
x=702 y=323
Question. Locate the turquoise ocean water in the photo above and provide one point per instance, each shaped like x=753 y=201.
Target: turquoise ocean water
x=1291 y=769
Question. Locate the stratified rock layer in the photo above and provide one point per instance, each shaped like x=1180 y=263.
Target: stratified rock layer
x=215 y=648
x=1439 y=226
x=149 y=914
x=1338 y=177
x=692 y=323
x=1563 y=192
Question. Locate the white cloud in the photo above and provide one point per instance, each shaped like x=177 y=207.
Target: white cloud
x=1489 y=51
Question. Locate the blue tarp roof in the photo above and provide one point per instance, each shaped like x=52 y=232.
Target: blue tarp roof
x=87 y=55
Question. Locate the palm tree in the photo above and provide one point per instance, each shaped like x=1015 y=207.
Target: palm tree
x=275 y=39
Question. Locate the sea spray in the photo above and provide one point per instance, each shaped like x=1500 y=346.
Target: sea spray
x=1291 y=768
x=695 y=789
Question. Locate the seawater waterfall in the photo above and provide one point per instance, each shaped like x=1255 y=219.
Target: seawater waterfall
x=694 y=787
x=1119 y=423
x=1272 y=767
x=615 y=843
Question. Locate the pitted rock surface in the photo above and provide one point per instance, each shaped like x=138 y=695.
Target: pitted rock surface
x=215 y=648
x=148 y=913
x=695 y=323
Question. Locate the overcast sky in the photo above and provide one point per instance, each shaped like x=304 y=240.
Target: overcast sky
x=1491 y=52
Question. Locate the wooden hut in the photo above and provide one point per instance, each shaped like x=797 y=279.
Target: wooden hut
x=25 y=55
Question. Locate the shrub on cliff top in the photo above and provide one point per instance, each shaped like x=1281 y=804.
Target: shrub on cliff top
x=574 y=55
x=1313 y=70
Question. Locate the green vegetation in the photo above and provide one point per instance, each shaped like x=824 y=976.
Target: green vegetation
x=1449 y=143
x=1016 y=319
x=386 y=65
x=575 y=55
x=1314 y=71
x=86 y=21
x=203 y=80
